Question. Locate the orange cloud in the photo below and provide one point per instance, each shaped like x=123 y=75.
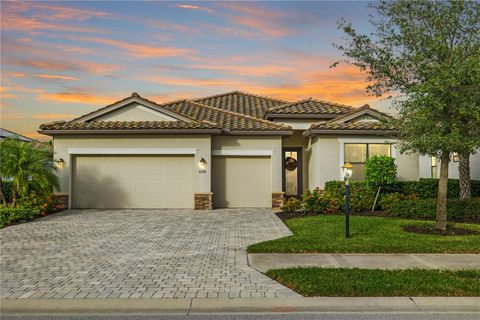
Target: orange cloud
x=192 y=82
x=268 y=22
x=74 y=97
x=53 y=116
x=65 y=65
x=56 y=77
x=140 y=50
x=194 y=7
x=44 y=16
x=257 y=71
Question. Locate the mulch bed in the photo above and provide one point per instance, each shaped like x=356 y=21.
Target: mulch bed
x=451 y=231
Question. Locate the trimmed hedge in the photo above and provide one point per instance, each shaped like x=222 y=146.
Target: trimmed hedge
x=426 y=209
x=425 y=188
x=11 y=215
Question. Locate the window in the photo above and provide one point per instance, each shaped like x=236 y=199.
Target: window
x=434 y=168
x=358 y=153
x=455 y=157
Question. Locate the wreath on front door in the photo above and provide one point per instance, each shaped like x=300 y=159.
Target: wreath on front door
x=290 y=163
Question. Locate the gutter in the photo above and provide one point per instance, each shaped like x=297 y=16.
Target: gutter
x=302 y=116
x=310 y=133
x=130 y=131
x=257 y=133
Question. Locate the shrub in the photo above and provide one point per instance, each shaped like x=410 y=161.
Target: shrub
x=361 y=196
x=292 y=205
x=380 y=171
x=331 y=203
x=425 y=188
x=311 y=201
x=388 y=199
x=426 y=208
x=11 y=215
x=33 y=200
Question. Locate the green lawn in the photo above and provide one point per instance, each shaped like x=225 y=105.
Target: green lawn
x=378 y=283
x=368 y=234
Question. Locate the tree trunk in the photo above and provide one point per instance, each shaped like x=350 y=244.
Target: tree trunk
x=14 y=197
x=2 y=195
x=441 y=216
x=464 y=173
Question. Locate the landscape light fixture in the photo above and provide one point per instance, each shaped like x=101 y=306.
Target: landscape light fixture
x=347 y=173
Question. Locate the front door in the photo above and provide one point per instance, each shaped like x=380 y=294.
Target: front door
x=292 y=171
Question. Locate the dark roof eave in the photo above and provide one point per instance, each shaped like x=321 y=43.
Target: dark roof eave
x=130 y=131
x=302 y=116
x=311 y=133
x=258 y=133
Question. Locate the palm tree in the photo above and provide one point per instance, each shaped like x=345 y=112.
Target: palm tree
x=28 y=165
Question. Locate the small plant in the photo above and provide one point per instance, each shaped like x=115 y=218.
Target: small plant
x=292 y=205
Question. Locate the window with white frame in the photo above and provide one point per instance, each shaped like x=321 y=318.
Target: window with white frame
x=358 y=153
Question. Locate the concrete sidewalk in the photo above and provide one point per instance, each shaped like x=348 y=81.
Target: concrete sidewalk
x=266 y=261
x=270 y=305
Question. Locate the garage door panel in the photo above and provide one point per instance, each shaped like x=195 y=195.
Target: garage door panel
x=241 y=181
x=133 y=182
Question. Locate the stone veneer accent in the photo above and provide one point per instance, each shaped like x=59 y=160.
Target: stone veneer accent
x=203 y=200
x=62 y=200
x=277 y=200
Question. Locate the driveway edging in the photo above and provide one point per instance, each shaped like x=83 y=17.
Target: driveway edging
x=270 y=305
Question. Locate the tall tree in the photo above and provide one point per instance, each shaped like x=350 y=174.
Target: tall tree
x=28 y=165
x=464 y=175
x=426 y=55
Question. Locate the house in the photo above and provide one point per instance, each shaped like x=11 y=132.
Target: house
x=229 y=150
x=4 y=134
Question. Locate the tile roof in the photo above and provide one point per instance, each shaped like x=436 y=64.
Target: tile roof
x=127 y=125
x=225 y=119
x=241 y=102
x=358 y=125
x=310 y=106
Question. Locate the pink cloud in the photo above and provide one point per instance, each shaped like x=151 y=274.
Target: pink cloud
x=141 y=50
x=194 y=7
x=56 y=77
x=78 y=97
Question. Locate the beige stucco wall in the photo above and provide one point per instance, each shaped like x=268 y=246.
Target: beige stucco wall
x=297 y=140
x=407 y=166
x=324 y=161
x=267 y=143
x=201 y=142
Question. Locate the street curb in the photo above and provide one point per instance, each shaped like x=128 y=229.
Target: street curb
x=243 y=305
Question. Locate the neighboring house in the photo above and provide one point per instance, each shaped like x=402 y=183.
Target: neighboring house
x=4 y=134
x=229 y=150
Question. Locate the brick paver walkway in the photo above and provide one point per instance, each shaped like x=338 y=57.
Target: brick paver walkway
x=138 y=254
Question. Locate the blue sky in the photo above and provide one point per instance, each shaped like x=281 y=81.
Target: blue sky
x=63 y=59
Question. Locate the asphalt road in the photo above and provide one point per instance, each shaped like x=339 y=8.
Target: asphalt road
x=276 y=316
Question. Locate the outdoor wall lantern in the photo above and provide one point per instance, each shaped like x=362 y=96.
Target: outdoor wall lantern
x=347 y=173
x=203 y=164
x=60 y=163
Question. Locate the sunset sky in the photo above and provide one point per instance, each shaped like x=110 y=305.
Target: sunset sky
x=63 y=59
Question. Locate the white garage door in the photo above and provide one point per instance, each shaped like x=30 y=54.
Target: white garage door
x=133 y=182
x=241 y=182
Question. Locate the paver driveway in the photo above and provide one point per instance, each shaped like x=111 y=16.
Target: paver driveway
x=138 y=254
